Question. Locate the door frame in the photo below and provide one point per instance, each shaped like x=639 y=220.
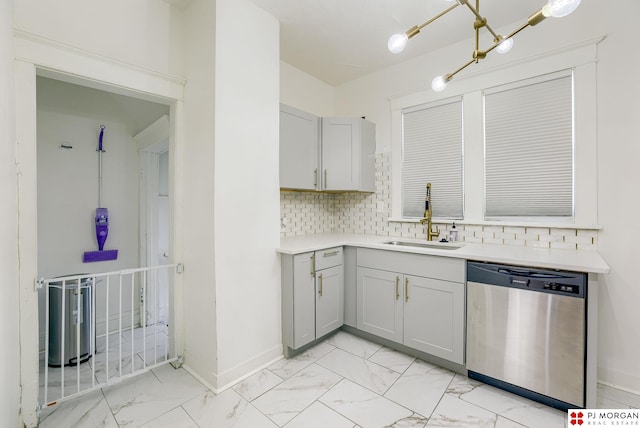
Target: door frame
x=152 y=142
x=35 y=56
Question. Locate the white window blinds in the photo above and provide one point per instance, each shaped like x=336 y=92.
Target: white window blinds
x=432 y=152
x=529 y=148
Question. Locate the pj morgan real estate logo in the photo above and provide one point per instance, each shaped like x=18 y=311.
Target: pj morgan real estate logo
x=603 y=417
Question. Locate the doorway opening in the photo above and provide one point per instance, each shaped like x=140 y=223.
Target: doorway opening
x=133 y=179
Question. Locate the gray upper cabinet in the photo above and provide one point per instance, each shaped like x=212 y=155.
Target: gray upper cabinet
x=299 y=149
x=329 y=154
x=348 y=154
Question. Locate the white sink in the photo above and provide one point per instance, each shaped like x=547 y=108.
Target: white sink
x=431 y=245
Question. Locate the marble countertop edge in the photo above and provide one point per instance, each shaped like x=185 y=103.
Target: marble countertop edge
x=588 y=261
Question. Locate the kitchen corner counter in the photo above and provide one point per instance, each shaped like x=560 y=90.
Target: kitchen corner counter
x=574 y=260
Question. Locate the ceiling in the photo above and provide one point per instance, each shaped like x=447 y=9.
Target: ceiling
x=340 y=40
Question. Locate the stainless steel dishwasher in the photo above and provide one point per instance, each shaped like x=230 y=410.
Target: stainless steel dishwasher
x=526 y=331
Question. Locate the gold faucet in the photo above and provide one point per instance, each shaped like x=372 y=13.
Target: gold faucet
x=427 y=216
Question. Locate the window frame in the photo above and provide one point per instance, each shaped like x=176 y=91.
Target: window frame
x=582 y=59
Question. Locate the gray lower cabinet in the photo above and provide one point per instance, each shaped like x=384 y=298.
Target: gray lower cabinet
x=434 y=317
x=312 y=296
x=421 y=306
x=329 y=300
x=380 y=305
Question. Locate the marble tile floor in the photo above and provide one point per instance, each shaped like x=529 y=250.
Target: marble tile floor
x=344 y=381
x=136 y=351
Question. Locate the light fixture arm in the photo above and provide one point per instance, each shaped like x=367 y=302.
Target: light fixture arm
x=534 y=19
x=450 y=75
x=555 y=8
x=416 y=28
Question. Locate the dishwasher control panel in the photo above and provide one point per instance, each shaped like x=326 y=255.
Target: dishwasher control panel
x=540 y=280
x=565 y=288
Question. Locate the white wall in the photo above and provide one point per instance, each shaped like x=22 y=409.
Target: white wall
x=246 y=203
x=200 y=328
x=618 y=206
x=618 y=151
x=68 y=179
x=305 y=92
x=146 y=33
x=9 y=303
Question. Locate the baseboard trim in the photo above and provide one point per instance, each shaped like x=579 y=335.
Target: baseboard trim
x=248 y=368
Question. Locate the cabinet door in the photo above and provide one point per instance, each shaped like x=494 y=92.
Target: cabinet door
x=434 y=317
x=339 y=150
x=299 y=149
x=380 y=301
x=329 y=300
x=304 y=320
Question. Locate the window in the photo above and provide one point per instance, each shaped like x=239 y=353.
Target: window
x=529 y=133
x=432 y=151
x=529 y=138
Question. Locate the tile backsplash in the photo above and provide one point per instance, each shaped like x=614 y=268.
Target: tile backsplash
x=306 y=213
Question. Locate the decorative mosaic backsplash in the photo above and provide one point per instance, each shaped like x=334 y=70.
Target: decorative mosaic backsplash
x=306 y=213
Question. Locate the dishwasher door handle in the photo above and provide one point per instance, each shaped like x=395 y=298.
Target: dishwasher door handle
x=523 y=282
x=530 y=274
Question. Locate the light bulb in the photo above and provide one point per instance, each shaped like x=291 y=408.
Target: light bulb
x=439 y=83
x=560 y=8
x=505 y=46
x=397 y=42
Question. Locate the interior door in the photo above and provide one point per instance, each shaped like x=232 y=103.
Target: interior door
x=154 y=233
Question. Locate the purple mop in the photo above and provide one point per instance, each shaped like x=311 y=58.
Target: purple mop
x=102 y=219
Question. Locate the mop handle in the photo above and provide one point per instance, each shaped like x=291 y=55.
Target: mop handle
x=100 y=139
x=100 y=150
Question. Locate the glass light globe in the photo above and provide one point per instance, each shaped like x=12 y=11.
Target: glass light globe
x=439 y=83
x=560 y=8
x=397 y=42
x=505 y=46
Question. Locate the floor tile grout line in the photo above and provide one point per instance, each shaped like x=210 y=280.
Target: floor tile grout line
x=189 y=415
x=261 y=394
x=368 y=389
x=329 y=407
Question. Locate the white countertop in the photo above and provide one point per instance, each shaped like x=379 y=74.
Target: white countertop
x=573 y=260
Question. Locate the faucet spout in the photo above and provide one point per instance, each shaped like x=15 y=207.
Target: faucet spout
x=428 y=215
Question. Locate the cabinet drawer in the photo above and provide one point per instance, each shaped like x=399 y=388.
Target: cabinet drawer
x=328 y=258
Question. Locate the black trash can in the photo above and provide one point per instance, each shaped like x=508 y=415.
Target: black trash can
x=77 y=310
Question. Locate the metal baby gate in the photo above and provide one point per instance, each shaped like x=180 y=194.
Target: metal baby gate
x=102 y=328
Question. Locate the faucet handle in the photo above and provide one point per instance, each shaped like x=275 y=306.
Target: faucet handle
x=433 y=233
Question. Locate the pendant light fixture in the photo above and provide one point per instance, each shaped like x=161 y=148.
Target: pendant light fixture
x=553 y=8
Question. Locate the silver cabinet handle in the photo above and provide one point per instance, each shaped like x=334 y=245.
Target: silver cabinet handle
x=406 y=289
x=315 y=178
x=397 y=290
x=331 y=253
x=320 y=287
